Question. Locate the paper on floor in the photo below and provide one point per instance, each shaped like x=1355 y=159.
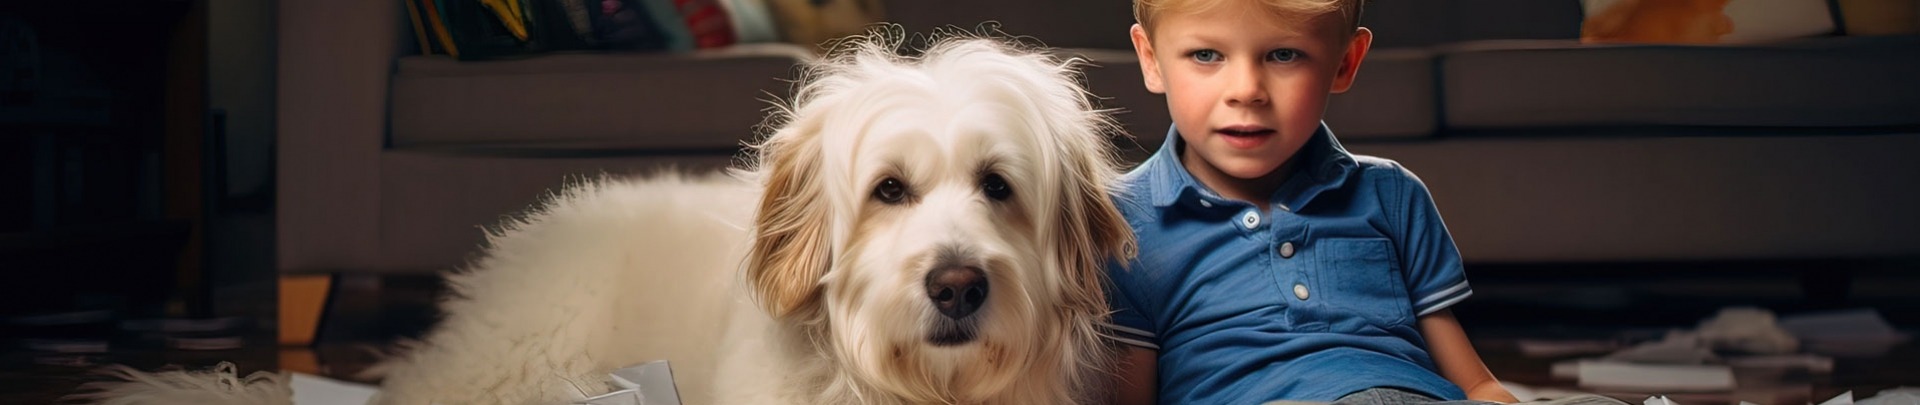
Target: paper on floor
x=1845 y=333
x=654 y=378
x=1737 y=329
x=649 y=383
x=1746 y=329
x=1652 y=377
x=1894 y=396
x=1679 y=347
x=1845 y=398
x=1813 y=363
x=311 y=389
x=1563 y=348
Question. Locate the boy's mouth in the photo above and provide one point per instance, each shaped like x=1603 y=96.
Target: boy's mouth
x=1245 y=130
x=1245 y=136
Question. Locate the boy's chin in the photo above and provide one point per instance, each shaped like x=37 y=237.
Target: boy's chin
x=1247 y=169
x=1236 y=164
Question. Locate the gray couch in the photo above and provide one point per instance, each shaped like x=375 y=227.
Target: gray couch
x=1537 y=148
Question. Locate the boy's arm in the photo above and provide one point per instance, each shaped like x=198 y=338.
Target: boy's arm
x=1457 y=360
x=1136 y=372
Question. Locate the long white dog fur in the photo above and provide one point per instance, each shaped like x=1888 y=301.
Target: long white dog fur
x=913 y=230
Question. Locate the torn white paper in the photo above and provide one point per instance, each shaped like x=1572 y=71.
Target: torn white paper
x=1845 y=398
x=1679 y=347
x=311 y=389
x=1655 y=377
x=1845 y=333
x=654 y=380
x=649 y=383
x=1894 y=396
x=1811 y=362
x=1746 y=329
x=1564 y=348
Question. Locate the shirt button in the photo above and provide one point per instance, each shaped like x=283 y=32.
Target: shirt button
x=1252 y=219
x=1286 y=250
x=1205 y=203
x=1300 y=290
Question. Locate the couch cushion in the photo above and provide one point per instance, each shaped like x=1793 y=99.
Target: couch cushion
x=701 y=100
x=1823 y=82
x=1665 y=196
x=1393 y=96
x=436 y=203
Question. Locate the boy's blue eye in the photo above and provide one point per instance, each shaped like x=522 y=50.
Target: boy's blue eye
x=1205 y=56
x=1282 y=55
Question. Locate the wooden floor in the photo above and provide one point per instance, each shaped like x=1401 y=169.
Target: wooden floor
x=37 y=378
x=1498 y=318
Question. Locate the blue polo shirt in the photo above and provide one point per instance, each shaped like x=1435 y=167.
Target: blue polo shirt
x=1311 y=298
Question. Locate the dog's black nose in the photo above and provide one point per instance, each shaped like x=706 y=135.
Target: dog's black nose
x=957 y=291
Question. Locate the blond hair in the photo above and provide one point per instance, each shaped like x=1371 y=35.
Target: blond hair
x=1145 y=10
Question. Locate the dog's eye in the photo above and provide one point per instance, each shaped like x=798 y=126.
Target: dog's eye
x=996 y=187
x=890 y=191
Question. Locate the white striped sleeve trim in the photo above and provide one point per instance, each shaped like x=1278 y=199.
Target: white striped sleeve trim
x=1136 y=343
x=1131 y=336
x=1442 y=299
x=1130 y=331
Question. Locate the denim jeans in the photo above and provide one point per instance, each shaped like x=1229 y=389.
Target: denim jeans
x=1390 y=396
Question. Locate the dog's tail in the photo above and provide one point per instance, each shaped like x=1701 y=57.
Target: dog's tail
x=219 y=385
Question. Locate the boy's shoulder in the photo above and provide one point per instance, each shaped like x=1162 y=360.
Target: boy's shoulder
x=1374 y=168
x=1133 y=194
x=1383 y=166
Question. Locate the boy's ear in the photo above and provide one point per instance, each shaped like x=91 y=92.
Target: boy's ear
x=1149 y=67
x=1350 y=64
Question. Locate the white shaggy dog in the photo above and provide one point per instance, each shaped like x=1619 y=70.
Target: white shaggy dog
x=916 y=230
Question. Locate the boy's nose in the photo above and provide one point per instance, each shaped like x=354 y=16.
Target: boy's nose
x=1246 y=87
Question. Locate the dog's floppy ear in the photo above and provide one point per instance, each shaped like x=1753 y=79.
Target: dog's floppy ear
x=1091 y=233
x=791 y=251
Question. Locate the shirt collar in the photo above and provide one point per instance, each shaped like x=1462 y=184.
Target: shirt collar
x=1324 y=166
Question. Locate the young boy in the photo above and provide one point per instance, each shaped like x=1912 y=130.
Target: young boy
x=1275 y=265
